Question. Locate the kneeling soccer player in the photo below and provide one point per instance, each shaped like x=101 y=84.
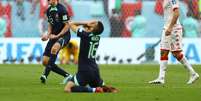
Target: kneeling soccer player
x=88 y=71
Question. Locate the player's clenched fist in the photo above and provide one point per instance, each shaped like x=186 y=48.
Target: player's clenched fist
x=44 y=37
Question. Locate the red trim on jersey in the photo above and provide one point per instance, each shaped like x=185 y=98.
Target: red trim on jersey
x=180 y=56
x=164 y=57
x=164 y=49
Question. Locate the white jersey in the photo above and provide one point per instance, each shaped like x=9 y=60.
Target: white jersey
x=168 y=7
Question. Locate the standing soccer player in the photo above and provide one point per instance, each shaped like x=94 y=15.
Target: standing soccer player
x=171 y=41
x=58 y=35
x=88 y=71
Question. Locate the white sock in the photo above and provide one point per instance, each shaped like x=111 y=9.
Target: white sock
x=93 y=90
x=187 y=65
x=163 y=67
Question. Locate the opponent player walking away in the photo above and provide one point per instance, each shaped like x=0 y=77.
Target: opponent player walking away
x=171 y=41
x=88 y=71
x=58 y=35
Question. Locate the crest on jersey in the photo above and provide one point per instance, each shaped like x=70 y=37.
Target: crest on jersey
x=57 y=16
x=53 y=9
x=65 y=17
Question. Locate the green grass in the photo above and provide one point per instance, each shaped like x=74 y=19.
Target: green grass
x=21 y=83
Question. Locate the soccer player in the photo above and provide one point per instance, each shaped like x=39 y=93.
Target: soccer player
x=71 y=49
x=88 y=71
x=171 y=41
x=58 y=35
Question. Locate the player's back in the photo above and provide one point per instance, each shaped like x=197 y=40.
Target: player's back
x=88 y=46
x=169 y=6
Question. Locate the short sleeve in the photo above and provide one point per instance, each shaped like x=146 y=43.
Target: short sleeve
x=81 y=32
x=174 y=4
x=64 y=15
x=48 y=14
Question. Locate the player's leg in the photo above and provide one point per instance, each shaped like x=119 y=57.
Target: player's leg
x=46 y=56
x=61 y=55
x=182 y=59
x=75 y=56
x=71 y=87
x=163 y=67
x=46 y=71
x=67 y=56
x=55 y=49
x=64 y=56
x=164 y=51
x=163 y=64
x=176 y=48
x=95 y=79
x=97 y=82
x=78 y=83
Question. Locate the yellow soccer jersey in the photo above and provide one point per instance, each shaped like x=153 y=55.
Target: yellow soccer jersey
x=71 y=50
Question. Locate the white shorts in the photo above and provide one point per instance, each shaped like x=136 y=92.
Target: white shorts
x=172 y=42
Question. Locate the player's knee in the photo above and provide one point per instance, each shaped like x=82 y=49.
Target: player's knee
x=45 y=62
x=54 y=50
x=69 y=86
x=164 y=57
x=67 y=89
x=178 y=55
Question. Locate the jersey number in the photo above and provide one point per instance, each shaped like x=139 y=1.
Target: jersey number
x=92 y=50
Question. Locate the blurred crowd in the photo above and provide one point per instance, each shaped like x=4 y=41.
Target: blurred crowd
x=122 y=18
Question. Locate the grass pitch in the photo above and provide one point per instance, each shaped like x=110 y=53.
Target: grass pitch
x=21 y=83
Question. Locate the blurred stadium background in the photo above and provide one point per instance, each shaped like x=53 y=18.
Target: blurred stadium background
x=131 y=27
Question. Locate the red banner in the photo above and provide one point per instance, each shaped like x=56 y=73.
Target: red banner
x=43 y=8
x=6 y=12
x=128 y=10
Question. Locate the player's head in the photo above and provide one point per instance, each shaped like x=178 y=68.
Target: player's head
x=70 y=45
x=96 y=27
x=53 y=2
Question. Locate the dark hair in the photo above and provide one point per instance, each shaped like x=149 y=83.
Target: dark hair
x=99 y=28
x=70 y=45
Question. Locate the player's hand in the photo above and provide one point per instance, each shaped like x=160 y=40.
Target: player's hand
x=44 y=37
x=91 y=23
x=168 y=31
x=52 y=36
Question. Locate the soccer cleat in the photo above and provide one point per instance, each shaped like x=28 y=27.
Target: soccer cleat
x=66 y=79
x=43 y=79
x=157 y=81
x=109 y=89
x=193 y=78
x=99 y=90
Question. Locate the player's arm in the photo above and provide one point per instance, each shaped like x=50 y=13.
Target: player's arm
x=65 y=19
x=64 y=30
x=49 y=30
x=84 y=22
x=74 y=26
x=173 y=21
x=45 y=37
